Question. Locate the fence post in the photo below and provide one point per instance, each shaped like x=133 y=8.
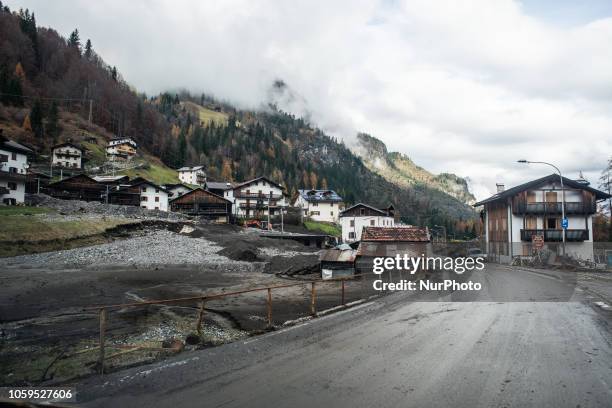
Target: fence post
x=343 y=302
x=102 y=338
x=269 y=308
x=200 y=317
x=313 y=295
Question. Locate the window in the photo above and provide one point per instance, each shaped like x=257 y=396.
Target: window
x=315 y=213
x=372 y=222
x=331 y=204
x=12 y=186
x=551 y=223
x=157 y=190
x=14 y=156
x=157 y=208
x=3 y=158
x=352 y=223
x=157 y=199
x=315 y=204
x=351 y=235
x=331 y=213
x=362 y=211
x=143 y=198
x=12 y=169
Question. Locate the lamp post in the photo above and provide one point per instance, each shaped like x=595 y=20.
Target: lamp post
x=562 y=193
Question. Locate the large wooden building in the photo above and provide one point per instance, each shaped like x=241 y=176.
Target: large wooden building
x=79 y=187
x=204 y=204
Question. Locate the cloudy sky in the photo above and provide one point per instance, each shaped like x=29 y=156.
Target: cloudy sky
x=461 y=86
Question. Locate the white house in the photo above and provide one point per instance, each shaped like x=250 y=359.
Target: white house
x=319 y=205
x=176 y=190
x=255 y=197
x=355 y=218
x=67 y=155
x=523 y=219
x=13 y=168
x=152 y=196
x=121 y=148
x=192 y=175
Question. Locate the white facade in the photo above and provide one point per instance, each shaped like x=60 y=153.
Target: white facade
x=67 y=155
x=153 y=197
x=253 y=198
x=122 y=148
x=317 y=208
x=352 y=227
x=13 y=167
x=192 y=175
x=512 y=220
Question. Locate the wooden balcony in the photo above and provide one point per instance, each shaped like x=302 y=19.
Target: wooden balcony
x=553 y=208
x=257 y=196
x=554 y=235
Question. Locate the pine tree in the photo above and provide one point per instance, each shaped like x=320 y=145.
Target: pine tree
x=36 y=119
x=114 y=73
x=88 y=49
x=53 y=128
x=74 y=40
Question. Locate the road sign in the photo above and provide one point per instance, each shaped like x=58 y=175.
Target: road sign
x=537 y=241
x=564 y=223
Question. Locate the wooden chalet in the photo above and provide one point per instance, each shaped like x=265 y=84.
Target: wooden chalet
x=79 y=187
x=203 y=203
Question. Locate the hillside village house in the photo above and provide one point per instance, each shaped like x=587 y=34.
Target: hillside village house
x=176 y=190
x=192 y=175
x=203 y=203
x=67 y=155
x=255 y=197
x=78 y=187
x=121 y=148
x=355 y=218
x=13 y=168
x=513 y=217
x=152 y=196
x=218 y=187
x=320 y=205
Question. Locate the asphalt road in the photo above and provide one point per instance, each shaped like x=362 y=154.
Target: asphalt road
x=395 y=352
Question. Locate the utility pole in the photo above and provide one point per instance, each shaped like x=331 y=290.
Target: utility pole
x=282 y=221
x=562 y=194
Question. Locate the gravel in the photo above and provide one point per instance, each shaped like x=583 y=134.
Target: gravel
x=95 y=209
x=154 y=248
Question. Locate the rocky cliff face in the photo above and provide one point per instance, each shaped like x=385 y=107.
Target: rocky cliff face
x=399 y=169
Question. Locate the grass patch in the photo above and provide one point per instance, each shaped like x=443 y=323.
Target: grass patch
x=206 y=115
x=156 y=172
x=23 y=210
x=22 y=234
x=97 y=153
x=324 y=227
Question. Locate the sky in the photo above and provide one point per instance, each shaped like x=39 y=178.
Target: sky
x=467 y=87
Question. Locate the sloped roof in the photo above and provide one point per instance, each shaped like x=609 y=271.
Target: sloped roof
x=57 y=146
x=187 y=168
x=13 y=146
x=219 y=185
x=395 y=234
x=246 y=183
x=144 y=181
x=599 y=195
x=382 y=212
x=198 y=189
x=336 y=255
x=173 y=186
x=320 y=195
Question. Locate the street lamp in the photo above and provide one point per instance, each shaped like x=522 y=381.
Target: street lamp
x=523 y=161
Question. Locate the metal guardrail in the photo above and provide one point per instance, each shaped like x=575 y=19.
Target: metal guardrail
x=103 y=310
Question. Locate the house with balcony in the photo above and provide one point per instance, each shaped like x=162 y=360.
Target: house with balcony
x=319 y=205
x=192 y=175
x=13 y=170
x=519 y=219
x=123 y=148
x=67 y=155
x=256 y=198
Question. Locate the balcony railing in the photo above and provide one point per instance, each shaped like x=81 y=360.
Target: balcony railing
x=554 y=208
x=12 y=176
x=554 y=235
x=259 y=196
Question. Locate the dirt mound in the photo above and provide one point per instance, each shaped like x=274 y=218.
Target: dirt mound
x=241 y=251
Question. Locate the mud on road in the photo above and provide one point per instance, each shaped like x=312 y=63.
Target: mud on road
x=43 y=323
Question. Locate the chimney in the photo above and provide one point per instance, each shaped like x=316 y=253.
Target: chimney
x=500 y=187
